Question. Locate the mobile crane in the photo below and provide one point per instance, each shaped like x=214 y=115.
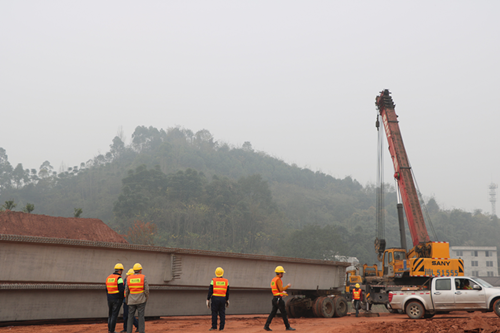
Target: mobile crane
x=427 y=258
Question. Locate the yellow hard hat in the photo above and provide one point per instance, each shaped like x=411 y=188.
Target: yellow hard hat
x=219 y=272
x=279 y=269
x=137 y=267
x=357 y=285
x=119 y=266
x=130 y=272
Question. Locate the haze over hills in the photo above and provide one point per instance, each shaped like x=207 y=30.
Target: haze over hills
x=297 y=80
x=173 y=187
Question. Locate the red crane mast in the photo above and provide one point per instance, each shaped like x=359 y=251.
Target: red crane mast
x=402 y=169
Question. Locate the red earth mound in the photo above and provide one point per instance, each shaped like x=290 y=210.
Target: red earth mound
x=18 y=223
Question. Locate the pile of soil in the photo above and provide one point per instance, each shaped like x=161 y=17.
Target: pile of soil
x=18 y=223
x=475 y=322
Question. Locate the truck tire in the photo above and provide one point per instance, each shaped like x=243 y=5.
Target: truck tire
x=323 y=307
x=415 y=310
x=292 y=309
x=288 y=308
x=315 y=307
x=496 y=307
x=340 y=306
x=327 y=307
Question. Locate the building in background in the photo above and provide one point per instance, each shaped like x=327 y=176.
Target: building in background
x=480 y=261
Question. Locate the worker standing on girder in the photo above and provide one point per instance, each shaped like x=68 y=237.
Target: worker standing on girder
x=277 y=302
x=125 y=308
x=115 y=290
x=218 y=292
x=137 y=294
x=356 y=298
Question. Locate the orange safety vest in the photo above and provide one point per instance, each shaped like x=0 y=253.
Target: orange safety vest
x=135 y=283
x=356 y=294
x=112 y=283
x=274 y=287
x=220 y=287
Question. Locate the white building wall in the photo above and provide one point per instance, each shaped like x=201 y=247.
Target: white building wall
x=478 y=260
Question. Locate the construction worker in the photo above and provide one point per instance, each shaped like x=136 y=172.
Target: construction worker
x=137 y=294
x=277 y=302
x=125 y=308
x=356 y=298
x=115 y=289
x=218 y=292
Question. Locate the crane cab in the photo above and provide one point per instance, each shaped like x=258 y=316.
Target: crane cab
x=352 y=277
x=394 y=261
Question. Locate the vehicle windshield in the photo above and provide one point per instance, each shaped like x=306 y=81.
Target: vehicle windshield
x=483 y=283
x=399 y=256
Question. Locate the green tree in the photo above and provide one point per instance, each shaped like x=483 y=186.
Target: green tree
x=9 y=205
x=77 y=212
x=139 y=188
x=313 y=242
x=117 y=146
x=5 y=170
x=20 y=176
x=45 y=170
x=432 y=206
x=185 y=185
x=29 y=208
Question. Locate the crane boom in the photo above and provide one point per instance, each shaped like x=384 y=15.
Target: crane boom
x=402 y=169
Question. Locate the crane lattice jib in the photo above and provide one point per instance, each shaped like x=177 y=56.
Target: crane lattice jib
x=402 y=169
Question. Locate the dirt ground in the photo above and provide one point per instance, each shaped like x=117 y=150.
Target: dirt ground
x=386 y=323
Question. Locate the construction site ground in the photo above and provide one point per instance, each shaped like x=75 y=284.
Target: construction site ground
x=385 y=323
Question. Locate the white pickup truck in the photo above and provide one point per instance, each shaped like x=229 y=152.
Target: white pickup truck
x=453 y=293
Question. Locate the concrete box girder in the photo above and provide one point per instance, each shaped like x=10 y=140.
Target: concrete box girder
x=51 y=278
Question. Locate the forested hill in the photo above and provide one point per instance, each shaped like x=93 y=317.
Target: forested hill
x=182 y=189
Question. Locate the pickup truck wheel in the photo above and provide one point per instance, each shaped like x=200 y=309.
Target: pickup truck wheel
x=415 y=310
x=496 y=307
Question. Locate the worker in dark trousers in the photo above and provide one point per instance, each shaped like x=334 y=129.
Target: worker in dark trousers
x=218 y=292
x=356 y=298
x=125 y=307
x=137 y=294
x=278 y=302
x=115 y=290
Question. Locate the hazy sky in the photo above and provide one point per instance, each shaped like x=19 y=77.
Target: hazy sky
x=297 y=79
